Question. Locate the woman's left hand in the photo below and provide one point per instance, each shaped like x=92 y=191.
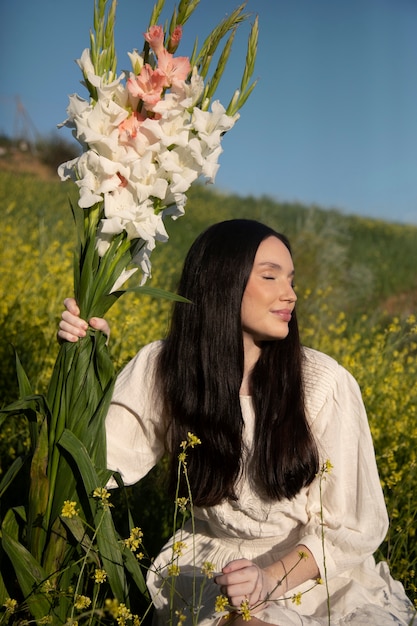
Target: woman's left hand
x=242 y=580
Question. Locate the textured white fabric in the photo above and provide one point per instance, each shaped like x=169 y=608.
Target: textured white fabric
x=353 y=509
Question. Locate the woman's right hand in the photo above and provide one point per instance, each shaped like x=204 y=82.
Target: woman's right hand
x=72 y=327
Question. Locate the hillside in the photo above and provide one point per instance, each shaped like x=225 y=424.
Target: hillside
x=368 y=263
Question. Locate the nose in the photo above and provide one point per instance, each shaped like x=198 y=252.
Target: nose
x=289 y=295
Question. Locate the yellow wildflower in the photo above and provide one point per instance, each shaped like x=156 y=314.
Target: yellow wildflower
x=10 y=605
x=181 y=617
x=82 y=602
x=69 y=509
x=328 y=466
x=182 y=504
x=135 y=539
x=221 y=604
x=47 y=586
x=245 y=611
x=193 y=440
x=123 y=614
x=296 y=599
x=182 y=457
x=178 y=547
x=112 y=606
x=101 y=493
x=208 y=569
x=173 y=570
x=100 y=576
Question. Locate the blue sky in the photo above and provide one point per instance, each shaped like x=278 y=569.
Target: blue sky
x=332 y=121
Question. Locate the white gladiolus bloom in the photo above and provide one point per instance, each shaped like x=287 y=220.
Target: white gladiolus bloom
x=141 y=161
x=136 y=60
x=85 y=63
x=214 y=121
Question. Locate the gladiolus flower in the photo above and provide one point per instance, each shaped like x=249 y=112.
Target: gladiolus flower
x=155 y=38
x=175 y=39
x=148 y=86
x=176 y=69
x=129 y=128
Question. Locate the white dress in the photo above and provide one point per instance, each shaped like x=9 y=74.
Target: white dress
x=358 y=590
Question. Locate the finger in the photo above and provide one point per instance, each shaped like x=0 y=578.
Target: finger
x=73 y=323
x=72 y=306
x=66 y=336
x=98 y=323
x=76 y=329
x=235 y=565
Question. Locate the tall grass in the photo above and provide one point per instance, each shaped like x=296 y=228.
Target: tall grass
x=347 y=271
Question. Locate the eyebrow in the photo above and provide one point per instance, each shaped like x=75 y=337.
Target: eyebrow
x=275 y=266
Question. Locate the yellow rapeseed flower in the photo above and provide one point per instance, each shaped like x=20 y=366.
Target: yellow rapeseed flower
x=10 y=605
x=100 y=576
x=101 y=493
x=208 y=569
x=123 y=614
x=112 y=606
x=245 y=611
x=173 y=570
x=82 y=602
x=296 y=599
x=221 y=603
x=69 y=509
x=182 y=504
x=181 y=617
x=135 y=540
x=193 y=440
x=178 y=547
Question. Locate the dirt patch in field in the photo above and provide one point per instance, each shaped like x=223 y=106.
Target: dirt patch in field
x=25 y=162
x=402 y=304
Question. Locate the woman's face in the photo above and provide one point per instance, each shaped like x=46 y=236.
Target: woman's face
x=269 y=298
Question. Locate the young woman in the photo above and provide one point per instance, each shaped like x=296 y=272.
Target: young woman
x=287 y=538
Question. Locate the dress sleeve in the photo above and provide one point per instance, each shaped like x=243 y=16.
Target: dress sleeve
x=351 y=504
x=134 y=432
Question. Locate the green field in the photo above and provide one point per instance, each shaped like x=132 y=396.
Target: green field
x=356 y=282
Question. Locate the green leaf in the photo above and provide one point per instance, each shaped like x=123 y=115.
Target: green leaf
x=25 y=388
x=4 y=594
x=77 y=529
x=38 y=495
x=29 y=572
x=110 y=549
x=157 y=293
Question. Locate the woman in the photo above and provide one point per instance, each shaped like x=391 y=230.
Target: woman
x=290 y=541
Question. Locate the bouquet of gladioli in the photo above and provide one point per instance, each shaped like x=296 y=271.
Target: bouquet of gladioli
x=146 y=134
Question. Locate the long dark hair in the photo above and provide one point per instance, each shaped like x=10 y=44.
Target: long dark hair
x=200 y=370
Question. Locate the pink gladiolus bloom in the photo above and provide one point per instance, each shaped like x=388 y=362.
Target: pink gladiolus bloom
x=148 y=86
x=176 y=69
x=129 y=128
x=175 y=39
x=155 y=38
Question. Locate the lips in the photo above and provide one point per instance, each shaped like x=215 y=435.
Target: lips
x=284 y=314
